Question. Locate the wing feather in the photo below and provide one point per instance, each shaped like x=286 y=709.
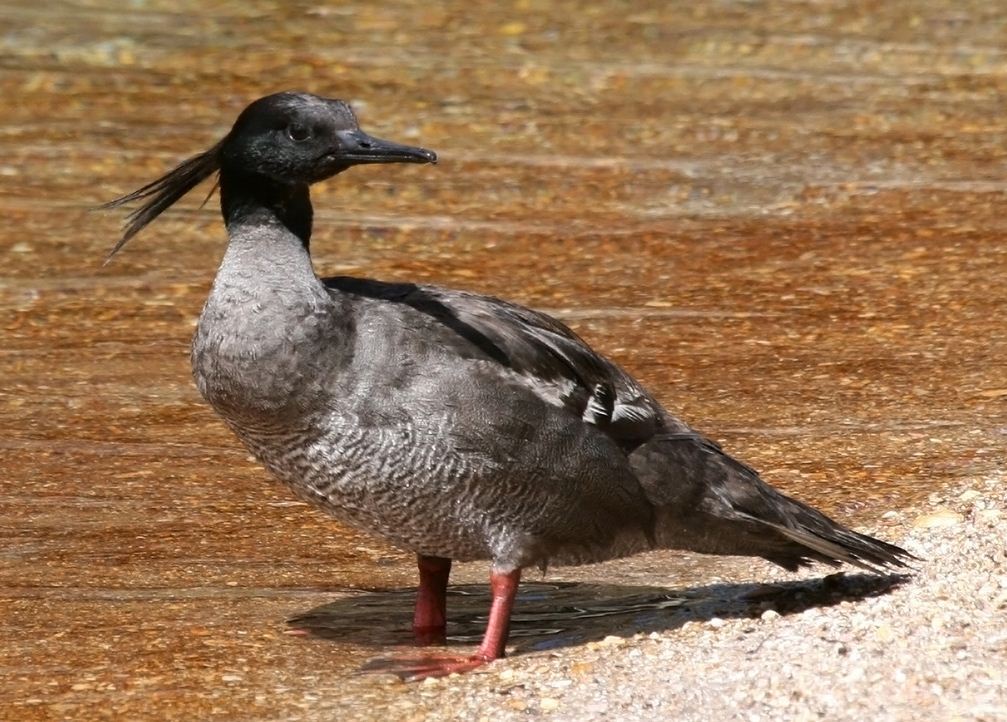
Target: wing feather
x=554 y=360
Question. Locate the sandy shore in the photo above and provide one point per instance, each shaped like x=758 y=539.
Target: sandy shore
x=932 y=646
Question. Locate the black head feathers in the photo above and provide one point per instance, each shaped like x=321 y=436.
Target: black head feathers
x=286 y=139
x=164 y=192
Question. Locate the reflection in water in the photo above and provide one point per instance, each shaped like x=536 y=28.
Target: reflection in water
x=566 y=614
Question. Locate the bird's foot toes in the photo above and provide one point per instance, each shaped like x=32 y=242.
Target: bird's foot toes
x=413 y=669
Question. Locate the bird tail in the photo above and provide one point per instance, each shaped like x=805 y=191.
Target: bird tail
x=711 y=503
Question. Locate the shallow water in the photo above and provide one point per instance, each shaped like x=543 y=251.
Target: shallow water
x=786 y=221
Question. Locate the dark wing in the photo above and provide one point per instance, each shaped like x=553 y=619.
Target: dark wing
x=541 y=350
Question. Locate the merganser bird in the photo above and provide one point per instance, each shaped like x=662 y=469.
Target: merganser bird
x=454 y=425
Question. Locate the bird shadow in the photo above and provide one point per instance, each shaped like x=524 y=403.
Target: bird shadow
x=568 y=614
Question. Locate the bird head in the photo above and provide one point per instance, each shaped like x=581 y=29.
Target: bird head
x=293 y=139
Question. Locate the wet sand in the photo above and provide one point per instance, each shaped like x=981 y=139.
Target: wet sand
x=785 y=219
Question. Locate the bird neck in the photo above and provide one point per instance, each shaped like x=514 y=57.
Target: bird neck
x=255 y=202
x=268 y=230
x=268 y=316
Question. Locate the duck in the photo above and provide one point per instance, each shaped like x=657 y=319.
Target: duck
x=456 y=426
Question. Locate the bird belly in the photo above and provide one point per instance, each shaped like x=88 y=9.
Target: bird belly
x=381 y=481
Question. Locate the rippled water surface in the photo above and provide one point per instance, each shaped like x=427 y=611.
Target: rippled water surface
x=786 y=219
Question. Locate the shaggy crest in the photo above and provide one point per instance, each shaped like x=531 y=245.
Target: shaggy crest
x=164 y=192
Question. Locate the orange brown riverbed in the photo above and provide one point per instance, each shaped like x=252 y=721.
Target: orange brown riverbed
x=786 y=218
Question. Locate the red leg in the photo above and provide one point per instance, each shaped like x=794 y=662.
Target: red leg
x=430 y=617
x=504 y=586
x=504 y=589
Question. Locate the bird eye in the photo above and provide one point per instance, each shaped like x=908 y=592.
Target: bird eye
x=297 y=132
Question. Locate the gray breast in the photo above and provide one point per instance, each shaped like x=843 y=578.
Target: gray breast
x=264 y=354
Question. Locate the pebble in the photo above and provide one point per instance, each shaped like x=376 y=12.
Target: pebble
x=942 y=517
x=932 y=648
x=989 y=516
